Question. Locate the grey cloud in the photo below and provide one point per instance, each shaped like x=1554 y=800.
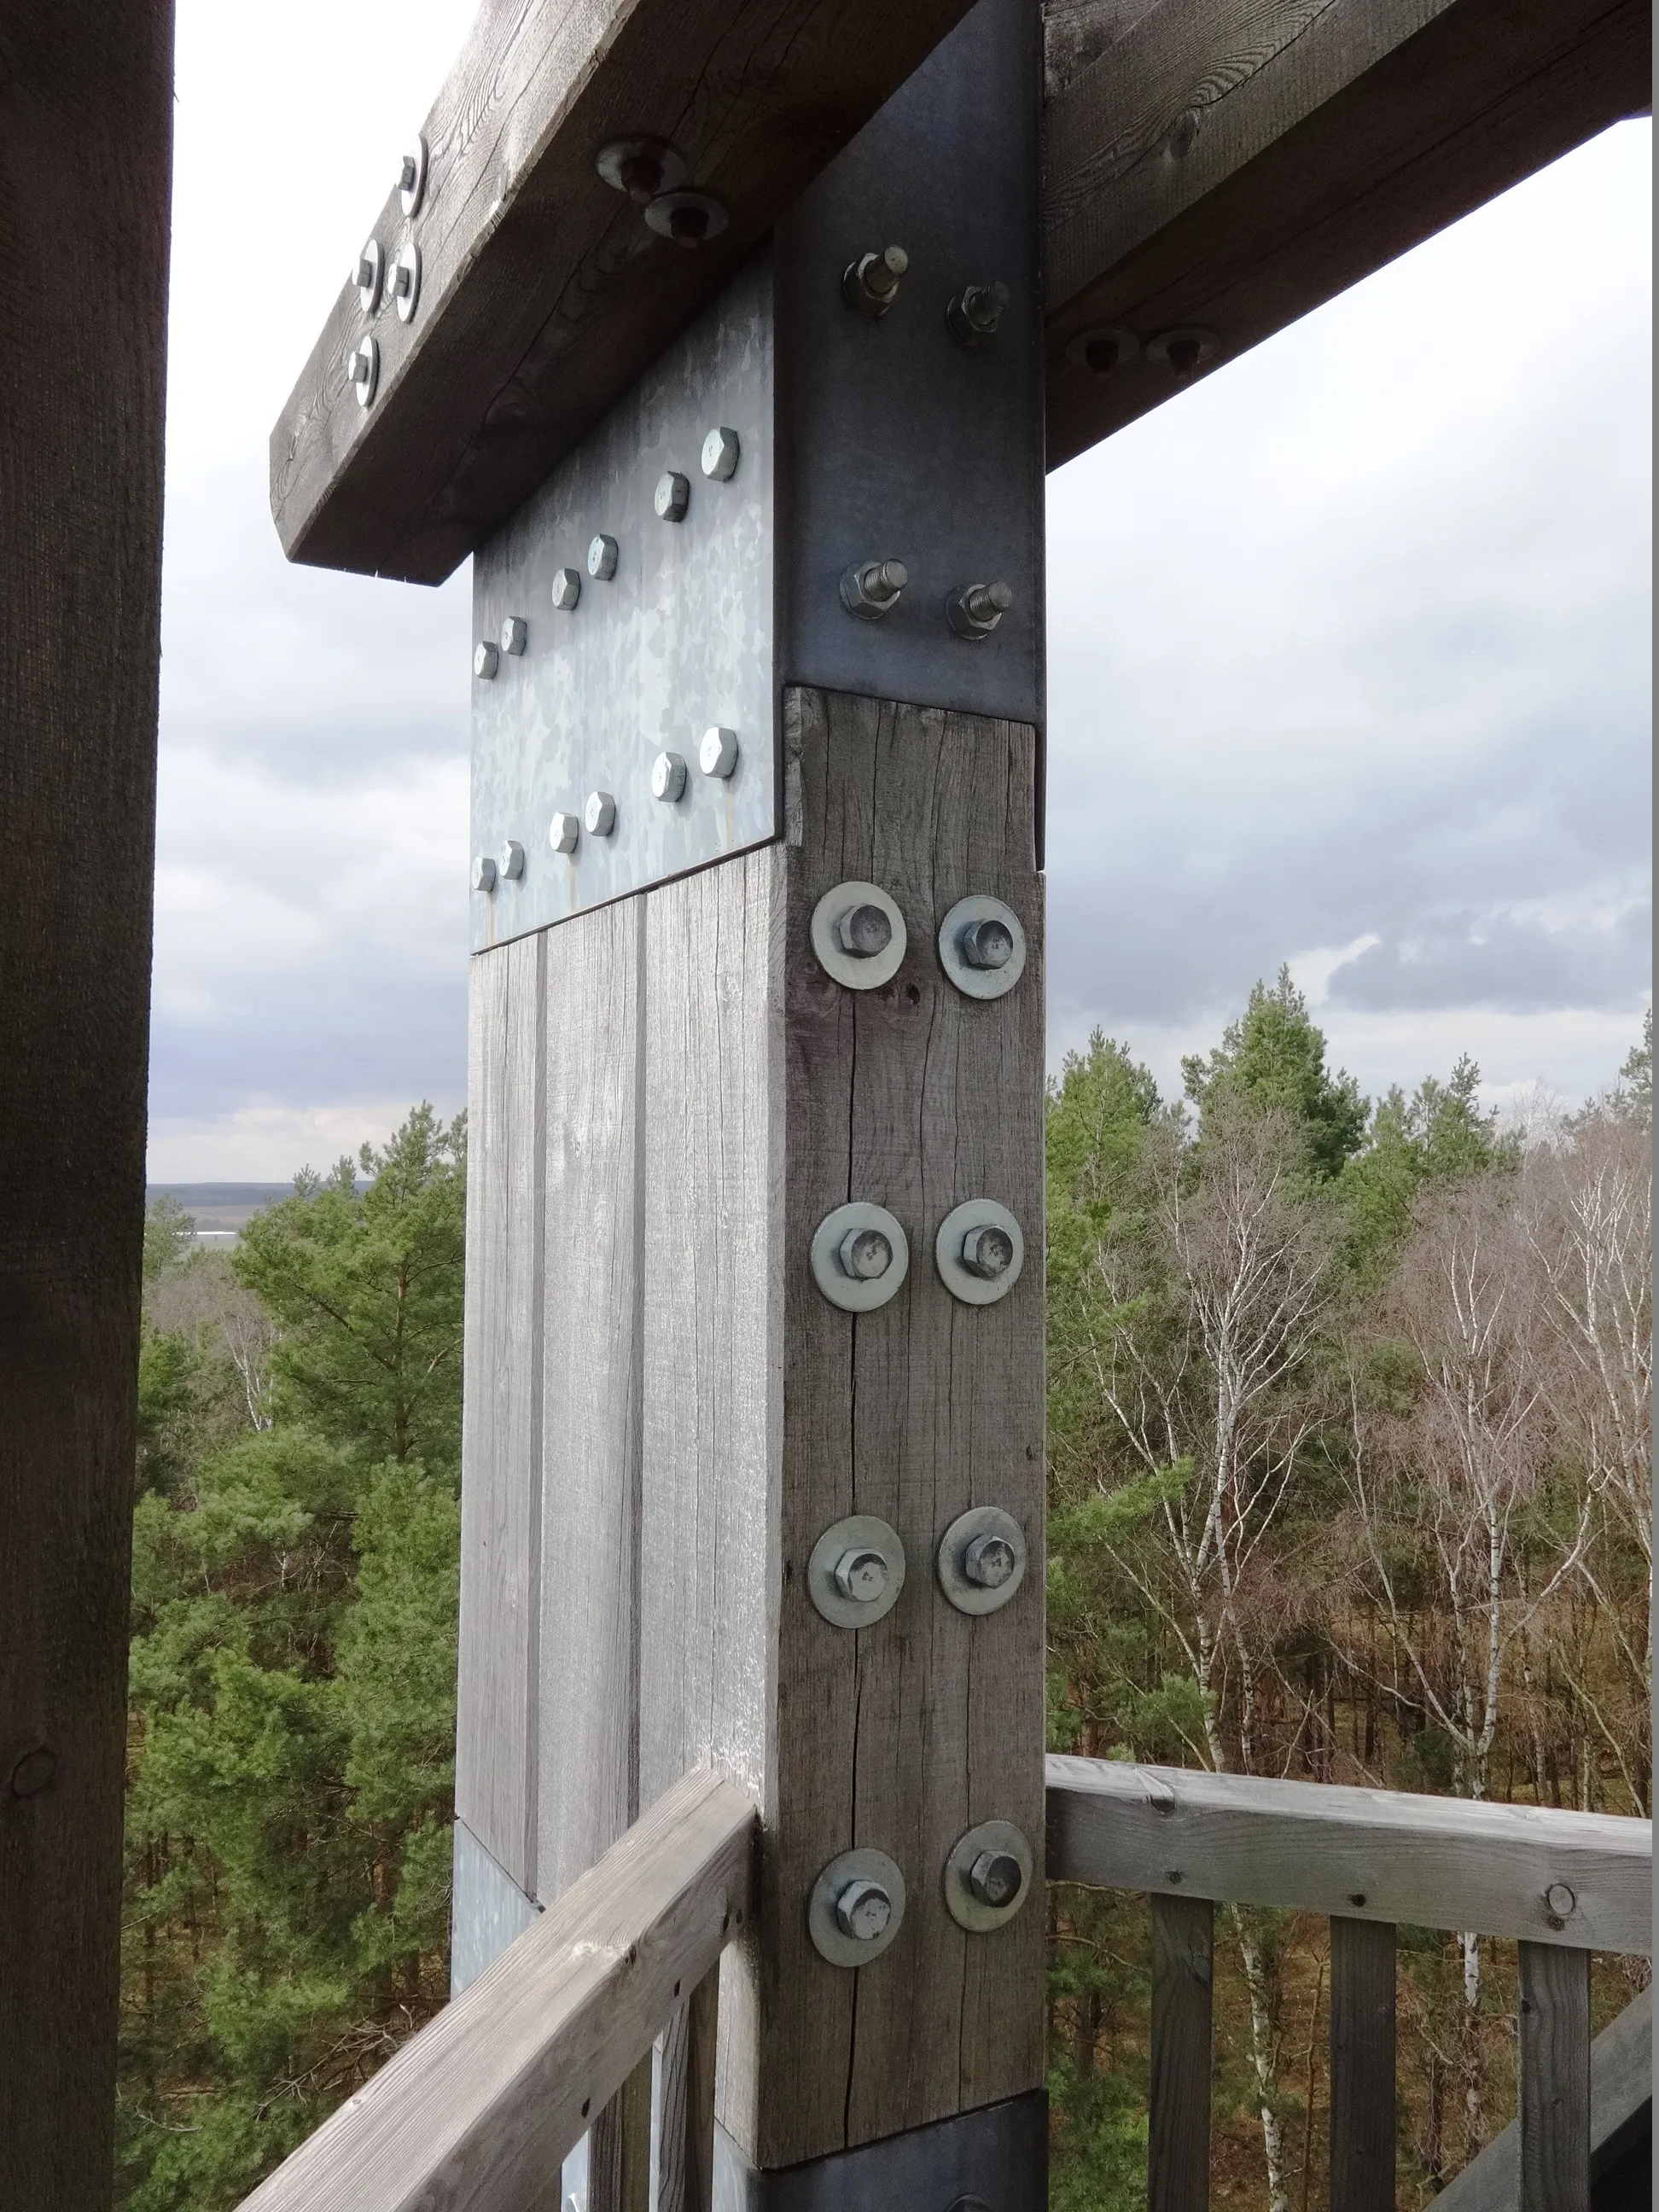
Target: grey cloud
x=1512 y=964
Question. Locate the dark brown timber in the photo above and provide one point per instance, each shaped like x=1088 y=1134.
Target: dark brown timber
x=1553 y=2065
x=85 y=153
x=1362 y=2057
x=1178 y=2119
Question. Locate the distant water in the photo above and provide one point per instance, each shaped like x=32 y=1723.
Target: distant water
x=221 y=1211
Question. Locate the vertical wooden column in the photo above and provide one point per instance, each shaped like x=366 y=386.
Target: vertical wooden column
x=1362 y=2063
x=1183 y=1996
x=1553 y=2065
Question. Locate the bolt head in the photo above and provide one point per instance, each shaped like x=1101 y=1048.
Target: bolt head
x=673 y=495
x=987 y=1252
x=668 y=776
x=861 y=1574
x=996 y=1878
x=512 y=860
x=600 y=814
x=484 y=874
x=1561 y=1899
x=864 y=932
x=602 y=559
x=562 y=833
x=408 y=170
x=720 y=450
x=718 y=753
x=865 y=1255
x=515 y=634
x=486 y=659
x=988 y=944
x=863 y=1910
x=566 y=589
x=365 y=273
x=989 y=1561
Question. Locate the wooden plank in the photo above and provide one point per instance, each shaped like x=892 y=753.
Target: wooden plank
x=84 y=180
x=589 y=1779
x=496 y=1731
x=619 y=2146
x=1552 y=2063
x=1362 y=2061
x=477 y=2111
x=685 y=2179
x=1234 y=163
x=542 y=293
x=1364 y=1854
x=1178 y=2130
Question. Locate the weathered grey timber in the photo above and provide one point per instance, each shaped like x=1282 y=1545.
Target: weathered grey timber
x=1552 y=2071
x=685 y=2127
x=1361 y=2066
x=476 y=2113
x=1178 y=2131
x=86 y=110
x=1379 y=1854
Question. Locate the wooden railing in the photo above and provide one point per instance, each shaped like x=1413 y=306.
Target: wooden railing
x=1563 y=1884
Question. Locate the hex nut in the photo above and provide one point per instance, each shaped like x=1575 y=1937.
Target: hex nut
x=667 y=777
x=600 y=814
x=988 y=1876
x=673 y=495
x=965 y=940
x=863 y=1910
x=974 y=611
x=370 y=276
x=870 y=284
x=865 y=1255
x=486 y=659
x=848 y=912
x=642 y=168
x=988 y=943
x=721 y=455
x=406 y=281
x=988 y=1251
x=602 y=558
x=484 y=872
x=871 y=588
x=861 y=1576
x=718 y=753
x=515 y=634
x=980 y=1271
x=567 y=588
x=855 y=1571
x=980 y=1560
x=411 y=178
x=989 y=1560
x=975 y=312
x=864 y=932
x=855 y=1907
x=563 y=832
x=512 y=860
x=858 y=1293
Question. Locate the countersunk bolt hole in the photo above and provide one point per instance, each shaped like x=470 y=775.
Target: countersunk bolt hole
x=864 y=932
x=865 y=1255
x=641 y=177
x=1183 y=355
x=688 y=224
x=1102 y=356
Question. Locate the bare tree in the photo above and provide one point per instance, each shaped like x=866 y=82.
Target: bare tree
x=223 y=1318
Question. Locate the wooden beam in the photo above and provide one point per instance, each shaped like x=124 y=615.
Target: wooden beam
x=1232 y=164
x=476 y=2112
x=542 y=293
x=85 y=162
x=1552 y=2066
x=1362 y=2063
x=1580 y=1880
x=1183 y=2055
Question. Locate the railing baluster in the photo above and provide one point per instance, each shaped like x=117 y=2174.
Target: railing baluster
x=1178 y=2133
x=1553 y=2064
x=685 y=2152
x=619 y=2148
x=1362 y=2057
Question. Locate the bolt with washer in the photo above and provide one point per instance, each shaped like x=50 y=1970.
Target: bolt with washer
x=515 y=634
x=486 y=659
x=975 y=312
x=995 y=1878
x=864 y=932
x=988 y=1251
x=600 y=814
x=602 y=558
x=870 y=588
x=870 y=284
x=988 y=944
x=861 y=1574
x=976 y=609
x=364 y=369
x=865 y=1255
x=667 y=777
x=721 y=453
x=566 y=589
x=562 y=833
x=718 y=753
x=989 y=1560
x=863 y=1910
x=370 y=274
x=673 y=495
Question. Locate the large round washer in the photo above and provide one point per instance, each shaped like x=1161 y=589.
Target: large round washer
x=834 y=957
x=982 y=1521
x=962 y=1282
x=828 y=1939
x=859 y=1532
x=963 y=1907
x=848 y=1292
x=980 y=982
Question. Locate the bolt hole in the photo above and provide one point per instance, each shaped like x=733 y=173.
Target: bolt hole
x=1357 y=1897
x=1176 y=1876
x=677 y=1988
x=725 y=1921
x=1102 y=356
x=587 y=2106
x=1182 y=355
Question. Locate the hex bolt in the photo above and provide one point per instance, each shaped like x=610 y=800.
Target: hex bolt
x=486 y=659
x=995 y=1878
x=870 y=587
x=484 y=874
x=515 y=634
x=602 y=558
x=975 y=311
x=870 y=284
x=411 y=178
x=988 y=1561
x=363 y=370
x=668 y=776
x=1561 y=1900
x=512 y=862
x=861 y=1574
x=863 y=1910
x=718 y=753
x=987 y=1252
x=562 y=833
x=865 y=1255
x=566 y=589
x=976 y=609
x=720 y=450
x=370 y=275
x=673 y=495
x=600 y=814
x=408 y=170
x=864 y=931
x=988 y=944
x=406 y=281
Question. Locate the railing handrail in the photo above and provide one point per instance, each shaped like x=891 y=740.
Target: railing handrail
x=476 y=2111
x=1581 y=1880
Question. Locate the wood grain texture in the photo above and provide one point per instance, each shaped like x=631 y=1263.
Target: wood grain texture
x=1178 y=2129
x=1236 y=163
x=685 y=2177
x=619 y=2146
x=1362 y=2063
x=497 y=1726
x=86 y=95
x=543 y=293
x=475 y=2113
x=1380 y=1855
x=1552 y=2064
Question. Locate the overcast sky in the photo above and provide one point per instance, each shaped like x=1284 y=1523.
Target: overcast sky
x=1347 y=666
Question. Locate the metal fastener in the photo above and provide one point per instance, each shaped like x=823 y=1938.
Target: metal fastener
x=515 y=634
x=364 y=369
x=484 y=874
x=975 y=311
x=1184 y=349
x=855 y=1571
x=411 y=178
x=566 y=589
x=718 y=753
x=981 y=946
x=864 y=931
x=995 y=1878
x=870 y=587
x=512 y=860
x=979 y=1251
x=854 y=1277
x=486 y=659
x=673 y=495
x=861 y=1574
x=1561 y=1899
x=988 y=1251
x=988 y=1876
x=690 y=219
x=406 y=281
x=642 y=168
x=981 y=1560
x=668 y=776
x=371 y=276
x=988 y=1561
x=988 y=943
x=602 y=558
x=976 y=609
x=721 y=453
x=600 y=814
x=847 y=935
x=855 y=1907
x=1101 y=350
x=870 y=284
x=562 y=833
x=865 y=1255
x=863 y=1910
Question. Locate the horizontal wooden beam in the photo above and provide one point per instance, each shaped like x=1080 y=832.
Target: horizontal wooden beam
x=477 y=2111
x=1581 y=1880
x=1230 y=164
x=543 y=293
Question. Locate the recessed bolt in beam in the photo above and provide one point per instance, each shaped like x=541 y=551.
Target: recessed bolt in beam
x=1102 y=349
x=870 y=284
x=1185 y=349
x=642 y=168
x=690 y=219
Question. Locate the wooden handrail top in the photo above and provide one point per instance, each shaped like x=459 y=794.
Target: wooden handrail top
x=477 y=2110
x=1580 y=1879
